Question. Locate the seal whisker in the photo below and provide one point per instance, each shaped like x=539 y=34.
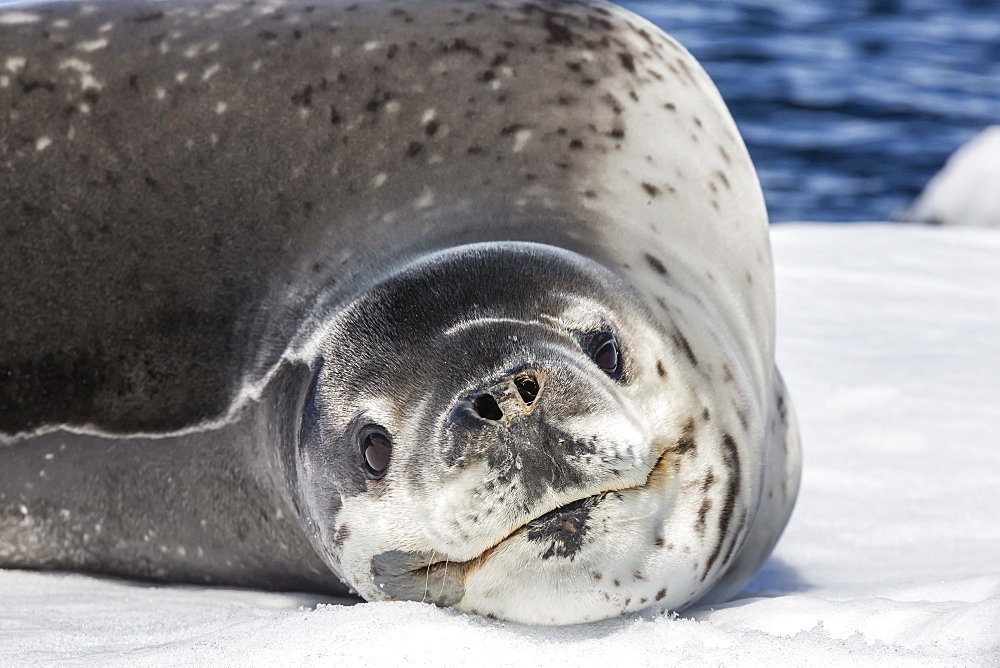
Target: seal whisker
x=427 y=576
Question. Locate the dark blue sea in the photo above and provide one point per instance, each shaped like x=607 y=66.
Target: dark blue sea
x=848 y=107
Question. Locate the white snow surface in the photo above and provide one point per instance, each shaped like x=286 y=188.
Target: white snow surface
x=889 y=338
x=967 y=190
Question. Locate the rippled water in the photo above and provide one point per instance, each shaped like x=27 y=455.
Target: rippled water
x=848 y=106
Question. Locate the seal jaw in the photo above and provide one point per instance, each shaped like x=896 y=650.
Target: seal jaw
x=415 y=576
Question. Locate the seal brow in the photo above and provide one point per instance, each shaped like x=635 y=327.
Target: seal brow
x=468 y=324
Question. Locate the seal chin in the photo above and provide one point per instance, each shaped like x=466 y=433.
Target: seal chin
x=562 y=534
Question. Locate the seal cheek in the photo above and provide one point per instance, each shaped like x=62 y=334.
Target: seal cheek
x=406 y=576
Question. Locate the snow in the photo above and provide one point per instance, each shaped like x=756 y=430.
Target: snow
x=967 y=190
x=888 y=337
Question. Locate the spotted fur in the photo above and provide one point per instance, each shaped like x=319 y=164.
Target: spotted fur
x=236 y=234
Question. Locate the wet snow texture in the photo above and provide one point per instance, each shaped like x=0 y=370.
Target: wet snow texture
x=888 y=337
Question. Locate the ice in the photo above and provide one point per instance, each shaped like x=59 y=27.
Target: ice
x=967 y=190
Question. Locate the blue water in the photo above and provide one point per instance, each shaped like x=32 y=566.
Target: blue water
x=848 y=107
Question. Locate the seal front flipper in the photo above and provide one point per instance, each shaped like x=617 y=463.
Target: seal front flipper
x=208 y=505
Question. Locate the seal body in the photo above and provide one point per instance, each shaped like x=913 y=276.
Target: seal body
x=461 y=302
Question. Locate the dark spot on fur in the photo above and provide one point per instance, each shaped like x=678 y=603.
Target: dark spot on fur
x=148 y=18
x=709 y=481
x=431 y=128
x=334 y=115
x=558 y=33
x=30 y=86
x=731 y=458
x=639 y=576
x=705 y=415
x=414 y=149
x=699 y=525
x=662 y=372
x=613 y=102
x=343 y=533
x=617 y=133
x=687 y=70
x=597 y=576
x=724 y=179
x=628 y=61
x=686 y=443
x=510 y=129
x=659 y=542
x=670 y=106
x=617 y=582
x=576 y=144
x=660 y=595
x=652 y=191
x=656 y=264
x=735 y=533
x=681 y=342
x=459 y=45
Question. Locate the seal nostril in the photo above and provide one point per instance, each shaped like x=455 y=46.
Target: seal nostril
x=487 y=407
x=527 y=387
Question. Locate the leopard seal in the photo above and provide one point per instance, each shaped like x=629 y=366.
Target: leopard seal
x=460 y=302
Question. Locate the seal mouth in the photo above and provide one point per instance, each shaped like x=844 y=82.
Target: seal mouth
x=562 y=520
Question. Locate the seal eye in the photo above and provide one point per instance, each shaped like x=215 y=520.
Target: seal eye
x=376 y=446
x=603 y=349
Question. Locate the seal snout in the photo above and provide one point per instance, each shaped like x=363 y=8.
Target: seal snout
x=514 y=396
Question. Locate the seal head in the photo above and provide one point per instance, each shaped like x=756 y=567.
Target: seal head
x=482 y=434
